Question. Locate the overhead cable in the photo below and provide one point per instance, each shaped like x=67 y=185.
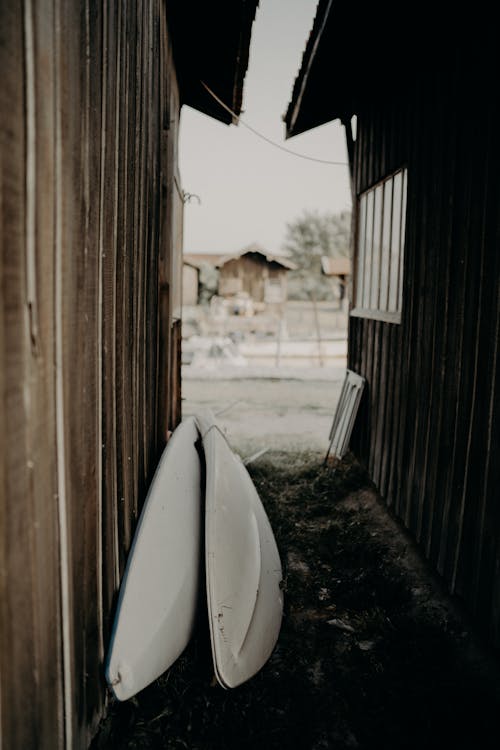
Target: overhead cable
x=239 y=121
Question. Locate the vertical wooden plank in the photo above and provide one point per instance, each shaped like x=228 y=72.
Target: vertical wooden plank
x=440 y=441
x=396 y=399
x=69 y=236
x=136 y=269
x=455 y=345
x=382 y=437
x=367 y=373
x=17 y=647
x=127 y=407
x=121 y=193
x=377 y=330
x=142 y=253
x=168 y=115
x=151 y=317
x=461 y=578
x=489 y=573
x=401 y=129
x=108 y=278
x=406 y=405
x=157 y=99
x=414 y=253
x=435 y=323
x=477 y=572
x=423 y=250
x=86 y=478
x=90 y=389
x=39 y=22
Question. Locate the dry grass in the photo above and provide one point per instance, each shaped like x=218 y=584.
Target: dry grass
x=371 y=653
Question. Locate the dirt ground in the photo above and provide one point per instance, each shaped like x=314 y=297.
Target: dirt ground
x=372 y=653
x=267 y=413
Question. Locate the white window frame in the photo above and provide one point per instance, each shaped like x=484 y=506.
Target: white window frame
x=379 y=251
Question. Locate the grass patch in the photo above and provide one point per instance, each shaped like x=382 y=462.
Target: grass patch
x=364 y=658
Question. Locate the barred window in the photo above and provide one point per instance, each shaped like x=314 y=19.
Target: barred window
x=379 y=258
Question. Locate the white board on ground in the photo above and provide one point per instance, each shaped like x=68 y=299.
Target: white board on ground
x=159 y=592
x=243 y=567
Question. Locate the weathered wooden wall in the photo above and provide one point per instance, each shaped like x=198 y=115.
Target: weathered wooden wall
x=89 y=377
x=429 y=427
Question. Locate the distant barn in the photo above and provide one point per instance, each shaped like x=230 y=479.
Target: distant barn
x=257 y=272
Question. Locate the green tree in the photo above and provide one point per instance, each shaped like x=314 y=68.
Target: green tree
x=307 y=239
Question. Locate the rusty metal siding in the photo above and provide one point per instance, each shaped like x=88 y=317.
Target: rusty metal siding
x=429 y=426
x=89 y=375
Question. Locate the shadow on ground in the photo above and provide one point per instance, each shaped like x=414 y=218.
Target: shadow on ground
x=371 y=653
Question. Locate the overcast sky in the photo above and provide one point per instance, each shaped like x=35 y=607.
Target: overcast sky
x=249 y=190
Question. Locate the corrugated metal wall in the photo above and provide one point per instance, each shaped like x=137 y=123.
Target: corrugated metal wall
x=429 y=427
x=89 y=379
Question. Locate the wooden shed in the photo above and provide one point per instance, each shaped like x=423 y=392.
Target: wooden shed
x=190 y=283
x=425 y=313
x=339 y=270
x=257 y=272
x=90 y=279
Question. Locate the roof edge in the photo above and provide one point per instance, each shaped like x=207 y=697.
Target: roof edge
x=308 y=57
x=205 y=50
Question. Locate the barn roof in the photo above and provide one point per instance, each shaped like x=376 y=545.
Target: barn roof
x=211 y=44
x=190 y=264
x=200 y=259
x=360 y=49
x=335 y=266
x=256 y=249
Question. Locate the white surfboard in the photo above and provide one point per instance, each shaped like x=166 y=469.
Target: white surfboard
x=243 y=567
x=159 y=592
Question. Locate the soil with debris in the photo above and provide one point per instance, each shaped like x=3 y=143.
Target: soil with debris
x=372 y=654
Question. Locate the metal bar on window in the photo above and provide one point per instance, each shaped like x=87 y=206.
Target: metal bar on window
x=367 y=279
x=402 y=240
x=360 y=262
x=385 y=264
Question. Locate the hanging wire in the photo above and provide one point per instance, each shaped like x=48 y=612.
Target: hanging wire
x=188 y=197
x=239 y=121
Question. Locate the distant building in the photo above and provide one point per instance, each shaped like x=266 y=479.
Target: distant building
x=190 y=283
x=256 y=272
x=339 y=269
